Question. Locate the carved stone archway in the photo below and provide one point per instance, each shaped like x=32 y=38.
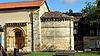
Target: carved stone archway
x=19 y=38
x=16 y=38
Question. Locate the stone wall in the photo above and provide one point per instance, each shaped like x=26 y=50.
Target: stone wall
x=11 y=38
x=36 y=31
x=19 y=16
x=23 y=16
x=57 y=35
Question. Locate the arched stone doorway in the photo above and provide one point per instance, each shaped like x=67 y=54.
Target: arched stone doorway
x=16 y=38
x=19 y=39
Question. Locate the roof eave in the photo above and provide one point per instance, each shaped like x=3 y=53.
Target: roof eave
x=47 y=6
x=57 y=17
x=20 y=8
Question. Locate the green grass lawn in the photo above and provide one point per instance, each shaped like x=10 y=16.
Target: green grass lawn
x=41 y=54
x=88 y=54
x=52 y=54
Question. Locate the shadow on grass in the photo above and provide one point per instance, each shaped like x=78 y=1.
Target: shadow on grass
x=43 y=54
x=98 y=52
x=40 y=54
x=20 y=54
x=60 y=55
x=24 y=54
x=92 y=53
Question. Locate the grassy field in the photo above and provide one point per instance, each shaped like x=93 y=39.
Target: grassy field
x=40 y=54
x=88 y=54
x=53 y=54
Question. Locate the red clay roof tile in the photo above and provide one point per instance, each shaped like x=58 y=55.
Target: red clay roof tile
x=21 y=4
x=54 y=15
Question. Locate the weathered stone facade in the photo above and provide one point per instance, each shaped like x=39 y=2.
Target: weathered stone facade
x=24 y=29
x=57 y=31
x=15 y=21
x=57 y=34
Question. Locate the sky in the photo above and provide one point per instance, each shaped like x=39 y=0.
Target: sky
x=60 y=5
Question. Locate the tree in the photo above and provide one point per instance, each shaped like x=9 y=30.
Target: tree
x=70 y=11
x=93 y=16
x=89 y=8
x=98 y=3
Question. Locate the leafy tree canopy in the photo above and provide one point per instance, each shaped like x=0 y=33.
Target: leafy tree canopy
x=93 y=16
x=89 y=8
x=70 y=11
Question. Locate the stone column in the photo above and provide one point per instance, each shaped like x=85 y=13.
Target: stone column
x=36 y=31
x=28 y=41
x=72 y=37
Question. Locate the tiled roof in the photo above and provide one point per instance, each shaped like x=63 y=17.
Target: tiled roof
x=77 y=16
x=74 y=14
x=54 y=15
x=21 y=4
